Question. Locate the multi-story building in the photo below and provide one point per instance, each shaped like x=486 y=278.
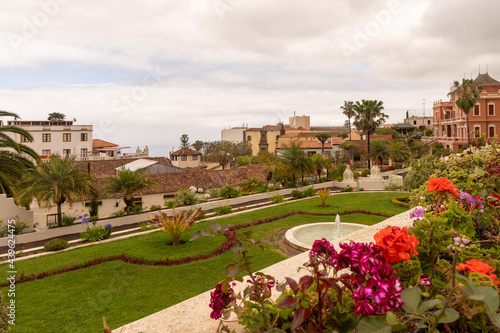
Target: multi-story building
x=450 y=123
x=55 y=137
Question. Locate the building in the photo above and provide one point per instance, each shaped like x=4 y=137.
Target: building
x=419 y=122
x=235 y=134
x=186 y=158
x=55 y=137
x=450 y=123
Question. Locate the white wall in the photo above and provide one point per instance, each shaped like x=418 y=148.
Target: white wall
x=9 y=210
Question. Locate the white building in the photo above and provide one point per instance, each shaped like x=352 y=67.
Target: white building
x=235 y=134
x=55 y=137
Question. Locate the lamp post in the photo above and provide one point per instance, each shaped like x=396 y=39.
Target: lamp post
x=117 y=200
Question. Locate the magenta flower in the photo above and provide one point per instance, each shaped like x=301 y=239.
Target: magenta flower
x=424 y=280
x=262 y=284
x=322 y=249
x=418 y=212
x=220 y=300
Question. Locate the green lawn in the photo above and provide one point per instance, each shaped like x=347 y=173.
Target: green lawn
x=76 y=301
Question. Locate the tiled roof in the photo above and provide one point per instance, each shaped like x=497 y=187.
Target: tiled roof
x=97 y=143
x=485 y=78
x=185 y=151
x=275 y=128
x=103 y=168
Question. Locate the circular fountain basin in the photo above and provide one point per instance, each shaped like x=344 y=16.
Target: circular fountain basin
x=303 y=236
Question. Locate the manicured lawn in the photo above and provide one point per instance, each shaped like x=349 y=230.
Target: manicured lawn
x=76 y=301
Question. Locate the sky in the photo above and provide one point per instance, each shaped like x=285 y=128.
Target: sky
x=146 y=72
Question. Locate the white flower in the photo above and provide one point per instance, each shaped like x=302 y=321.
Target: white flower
x=207 y=196
x=192 y=189
x=200 y=190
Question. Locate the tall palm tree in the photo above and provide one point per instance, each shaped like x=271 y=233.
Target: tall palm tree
x=368 y=116
x=126 y=183
x=379 y=150
x=319 y=162
x=466 y=95
x=398 y=151
x=55 y=182
x=348 y=110
x=15 y=157
x=296 y=160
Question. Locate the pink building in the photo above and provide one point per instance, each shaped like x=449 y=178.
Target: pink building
x=450 y=123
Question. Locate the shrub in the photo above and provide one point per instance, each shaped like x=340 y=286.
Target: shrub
x=401 y=201
x=309 y=192
x=94 y=207
x=229 y=191
x=296 y=194
x=355 y=174
x=68 y=219
x=185 y=198
x=136 y=209
x=144 y=226
x=361 y=189
x=222 y=210
x=252 y=185
x=365 y=172
x=214 y=193
x=420 y=172
x=277 y=198
x=176 y=225
x=392 y=187
x=170 y=204
x=323 y=195
x=358 y=165
x=347 y=189
x=338 y=171
x=155 y=207
x=304 y=182
x=96 y=233
x=55 y=244
x=119 y=213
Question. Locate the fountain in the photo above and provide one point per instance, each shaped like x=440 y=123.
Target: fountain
x=303 y=236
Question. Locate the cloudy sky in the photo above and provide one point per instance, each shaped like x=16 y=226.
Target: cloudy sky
x=145 y=72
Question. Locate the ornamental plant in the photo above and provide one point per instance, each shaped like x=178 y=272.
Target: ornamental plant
x=94 y=232
x=177 y=224
x=55 y=244
x=323 y=195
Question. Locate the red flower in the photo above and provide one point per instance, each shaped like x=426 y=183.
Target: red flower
x=480 y=267
x=396 y=244
x=441 y=185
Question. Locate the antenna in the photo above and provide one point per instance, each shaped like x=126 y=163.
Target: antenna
x=424 y=106
x=486 y=68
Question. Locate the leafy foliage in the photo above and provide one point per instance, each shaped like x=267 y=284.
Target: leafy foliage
x=176 y=225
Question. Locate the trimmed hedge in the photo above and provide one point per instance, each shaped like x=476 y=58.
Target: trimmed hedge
x=401 y=201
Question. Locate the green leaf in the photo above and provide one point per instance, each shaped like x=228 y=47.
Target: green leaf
x=232 y=270
x=373 y=325
x=491 y=298
x=495 y=319
x=391 y=318
x=265 y=240
x=196 y=234
x=450 y=315
x=238 y=249
x=426 y=305
x=206 y=233
x=287 y=302
x=214 y=228
x=468 y=284
x=411 y=299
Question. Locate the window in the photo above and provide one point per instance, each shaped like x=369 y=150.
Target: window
x=476 y=110
x=24 y=139
x=66 y=137
x=249 y=138
x=184 y=158
x=84 y=137
x=477 y=131
x=414 y=122
x=83 y=152
x=491 y=131
x=46 y=137
x=194 y=158
x=491 y=110
x=46 y=152
x=428 y=122
x=66 y=152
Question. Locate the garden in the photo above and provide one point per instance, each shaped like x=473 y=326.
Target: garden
x=130 y=279
x=441 y=275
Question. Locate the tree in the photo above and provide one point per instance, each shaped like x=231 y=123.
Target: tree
x=14 y=156
x=184 y=141
x=296 y=160
x=126 y=183
x=198 y=145
x=419 y=148
x=55 y=182
x=348 y=110
x=350 y=148
x=319 y=162
x=56 y=116
x=398 y=151
x=225 y=152
x=465 y=95
x=379 y=150
x=343 y=135
x=368 y=116
x=322 y=137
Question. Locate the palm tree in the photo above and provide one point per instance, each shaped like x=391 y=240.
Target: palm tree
x=126 y=183
x=55 y=183
x=368 y=116
x=420 y=148
x=14 y=156
x=322 y=137
x=379 y=150
x=296 y=160
x=319 y=162
x=272 y=165
x=348 y=110
x=398 y=151
x=466 y=95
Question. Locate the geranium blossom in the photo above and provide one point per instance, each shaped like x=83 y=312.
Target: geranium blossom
x=396 y=244
x=480 y=267
x=220 y=300
x=442 y=186
x=418 y=212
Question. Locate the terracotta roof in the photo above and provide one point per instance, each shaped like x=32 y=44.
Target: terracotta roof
x=309 y=144
x=485 y=78
x=275 y=128
x=103 y=168
x=97 y=143
x=185 y=151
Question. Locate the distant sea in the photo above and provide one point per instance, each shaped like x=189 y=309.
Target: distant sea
x=161 y=150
